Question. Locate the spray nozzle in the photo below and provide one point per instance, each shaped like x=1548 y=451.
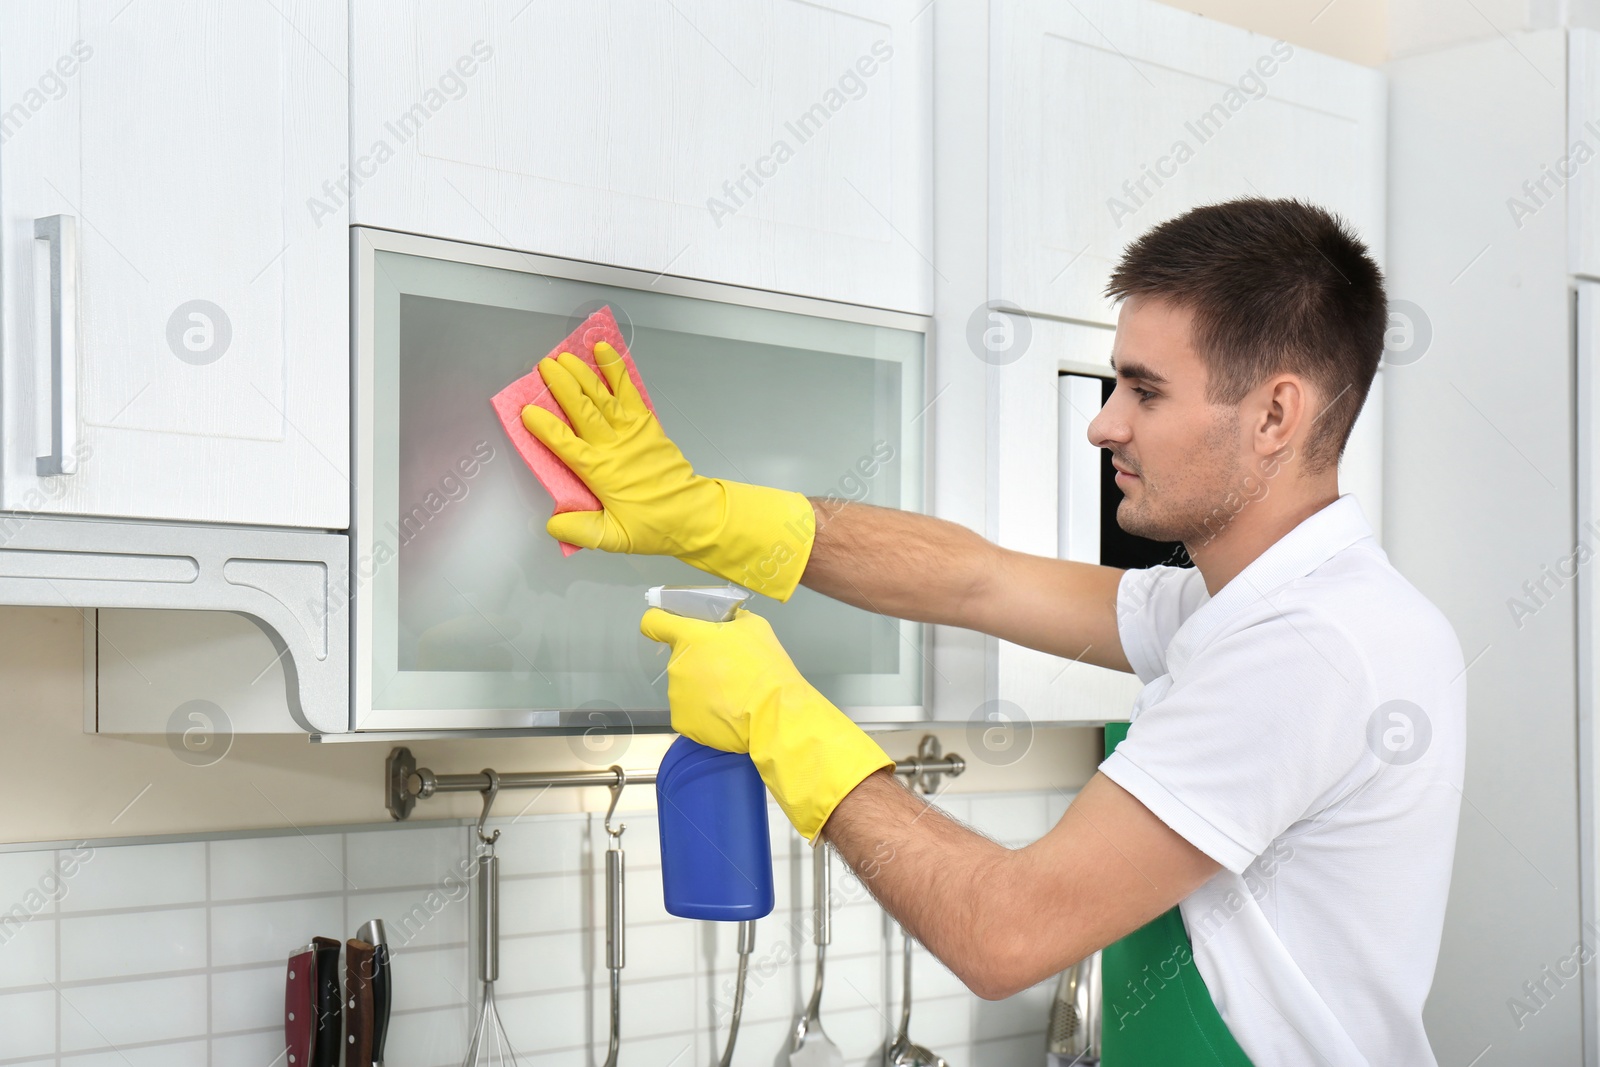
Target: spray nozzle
x=708 y=603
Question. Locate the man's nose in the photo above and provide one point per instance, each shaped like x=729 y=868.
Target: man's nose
x=1105 y=429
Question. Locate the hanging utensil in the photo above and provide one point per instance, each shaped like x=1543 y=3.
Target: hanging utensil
x=905 y=1052
x=616 y=919
x=747 y=945
x=1074 y=1035
x=811 y=1047
x=490 y=1045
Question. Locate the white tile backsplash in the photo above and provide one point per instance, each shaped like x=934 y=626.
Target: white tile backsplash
x=435 y=978
x=554 y=1020
x=111 y=1015
x=28 y=953
x=183 y=1054
x=416 y=918
x=250 y=999
x=121 y=877
x=29 y=1022
x=173 y=953
x=268 y=931
x=546 y=844
x=420 y=856
x=1012 y=819
x=292 y=866
x=129 y=943
x=244 y=1050
x=434 y=1038
x=549 y=903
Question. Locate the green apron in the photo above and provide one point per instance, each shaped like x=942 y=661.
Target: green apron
x=1155 y=1008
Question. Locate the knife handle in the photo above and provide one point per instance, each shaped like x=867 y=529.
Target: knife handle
x=382 y=999
x=300 y=1008
x=329 y=1030
x=358 y=1003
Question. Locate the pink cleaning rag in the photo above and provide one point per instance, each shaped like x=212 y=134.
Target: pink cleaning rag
x=565 y=487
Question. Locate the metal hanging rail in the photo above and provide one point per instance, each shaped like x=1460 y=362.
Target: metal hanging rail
x=406 y=783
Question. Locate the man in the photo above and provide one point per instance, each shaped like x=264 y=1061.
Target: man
x=1265 y=858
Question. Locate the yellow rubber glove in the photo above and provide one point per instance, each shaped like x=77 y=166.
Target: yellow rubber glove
x=654 y=503
x=732 y=686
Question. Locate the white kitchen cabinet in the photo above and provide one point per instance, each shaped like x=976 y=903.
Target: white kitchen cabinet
x=780 y=145
x=197 y=368
x=1112 y=116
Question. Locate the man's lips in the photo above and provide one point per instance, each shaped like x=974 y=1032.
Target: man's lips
x=1122 y=472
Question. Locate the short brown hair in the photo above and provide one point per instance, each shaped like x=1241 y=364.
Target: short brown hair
x=1274 y=285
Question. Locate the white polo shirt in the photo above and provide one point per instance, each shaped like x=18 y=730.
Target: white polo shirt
x=1305 y=728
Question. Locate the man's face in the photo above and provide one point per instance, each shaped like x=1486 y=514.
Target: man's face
x=1184 y=454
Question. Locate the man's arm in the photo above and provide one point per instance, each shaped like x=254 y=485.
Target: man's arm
x=1004 y=919
x=917 y=567
x=893 y=562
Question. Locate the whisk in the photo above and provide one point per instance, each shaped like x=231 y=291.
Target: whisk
x=490 y=1045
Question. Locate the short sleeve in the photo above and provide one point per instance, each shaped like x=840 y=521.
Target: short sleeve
x=1257 y=730
x=1152 y=603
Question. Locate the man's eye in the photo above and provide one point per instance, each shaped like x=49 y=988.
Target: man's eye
x=1144 y=394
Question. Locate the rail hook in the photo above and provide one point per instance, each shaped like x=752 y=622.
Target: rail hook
x=488 y=802
x=616 y=795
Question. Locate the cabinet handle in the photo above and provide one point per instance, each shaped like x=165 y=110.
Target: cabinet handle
x=61 y=231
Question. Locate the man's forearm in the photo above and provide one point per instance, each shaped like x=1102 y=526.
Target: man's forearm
x=896 y=563
x=947 y=885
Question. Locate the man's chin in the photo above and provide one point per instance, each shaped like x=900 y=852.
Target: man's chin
x=1134 y=521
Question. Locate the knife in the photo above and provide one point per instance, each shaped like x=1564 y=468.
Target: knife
x=325 y=1051
x=358 y=1019
x=373 y=933
x=300 y=1006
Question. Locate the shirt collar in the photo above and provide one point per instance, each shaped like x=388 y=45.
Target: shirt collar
x=1318 y=538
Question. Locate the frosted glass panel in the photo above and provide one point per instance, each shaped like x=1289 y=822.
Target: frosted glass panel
x=473 y=607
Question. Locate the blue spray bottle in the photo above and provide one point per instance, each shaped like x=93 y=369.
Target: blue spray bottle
x=716 y=854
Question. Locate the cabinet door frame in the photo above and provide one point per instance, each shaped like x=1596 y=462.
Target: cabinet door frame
x=366 y=242
x=254 y=433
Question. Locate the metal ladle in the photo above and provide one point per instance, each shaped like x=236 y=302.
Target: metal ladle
x=904 y=1052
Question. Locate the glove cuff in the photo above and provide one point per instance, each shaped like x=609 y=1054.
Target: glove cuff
x=764 y=540
x=811 y=755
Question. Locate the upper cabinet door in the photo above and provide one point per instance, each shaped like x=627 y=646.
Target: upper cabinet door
x=1116 y=115
x=175 y=298
x=775 y=144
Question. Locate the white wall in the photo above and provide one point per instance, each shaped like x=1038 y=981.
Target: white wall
x=1373 y=31
x=1350 y=29
x=1479 y=498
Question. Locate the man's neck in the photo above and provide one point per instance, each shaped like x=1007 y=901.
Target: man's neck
x=1256 y=528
